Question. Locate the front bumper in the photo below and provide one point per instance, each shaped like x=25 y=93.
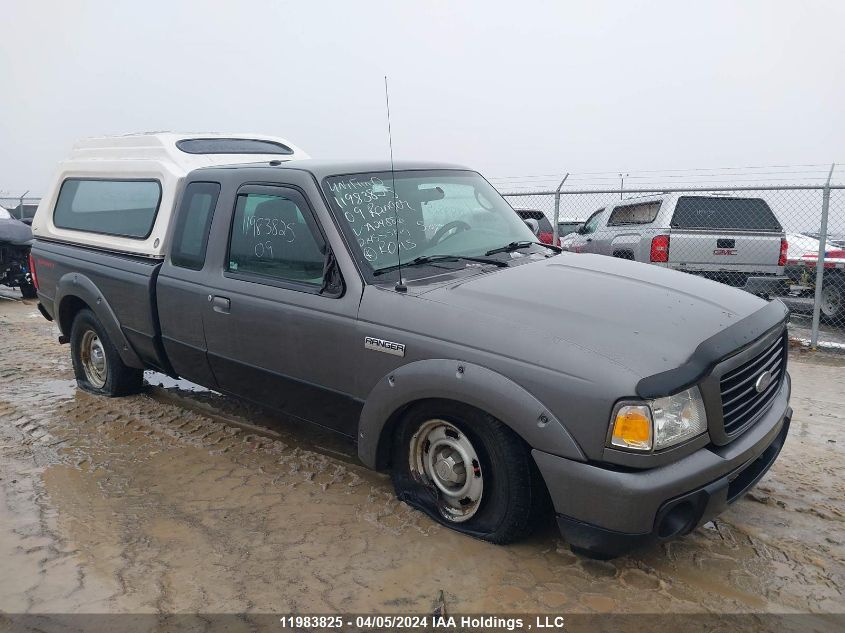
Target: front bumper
x=761 y=284
x=609 y=512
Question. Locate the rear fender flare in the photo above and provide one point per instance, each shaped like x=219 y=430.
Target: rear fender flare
x=79 y=286
x=463 y=382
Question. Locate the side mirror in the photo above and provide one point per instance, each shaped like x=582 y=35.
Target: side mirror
x=580 y=229
x=532 y=224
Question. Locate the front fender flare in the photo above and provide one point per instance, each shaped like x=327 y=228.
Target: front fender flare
x=78 y=285
x=464 y=382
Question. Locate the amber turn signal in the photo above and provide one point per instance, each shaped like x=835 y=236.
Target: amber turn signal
x=632 y=428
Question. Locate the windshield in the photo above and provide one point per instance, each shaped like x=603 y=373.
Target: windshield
x=443 y=212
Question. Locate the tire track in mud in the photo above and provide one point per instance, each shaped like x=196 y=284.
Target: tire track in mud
x=136 y=503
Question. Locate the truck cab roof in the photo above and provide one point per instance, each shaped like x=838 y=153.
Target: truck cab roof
x=322 y=167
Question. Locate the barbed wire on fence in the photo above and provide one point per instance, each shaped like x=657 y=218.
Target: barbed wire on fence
x=808 y=173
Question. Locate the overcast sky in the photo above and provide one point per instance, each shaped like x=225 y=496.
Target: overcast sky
x=510 y=88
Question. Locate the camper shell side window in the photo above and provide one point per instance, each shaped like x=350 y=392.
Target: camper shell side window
x=123 y=208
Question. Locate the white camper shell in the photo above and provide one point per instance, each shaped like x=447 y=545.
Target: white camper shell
x=138 y=177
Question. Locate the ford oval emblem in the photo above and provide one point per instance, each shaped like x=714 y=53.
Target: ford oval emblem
x=763 y=381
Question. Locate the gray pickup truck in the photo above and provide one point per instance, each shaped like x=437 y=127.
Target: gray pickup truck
x=637 y=411
x=734 y=240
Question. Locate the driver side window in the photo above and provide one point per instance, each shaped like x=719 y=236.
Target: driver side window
x=592 y=223
x=270 y=237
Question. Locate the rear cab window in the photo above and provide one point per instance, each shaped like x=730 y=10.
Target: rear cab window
x=124 y=208
x=190 y=236
x=703 y=212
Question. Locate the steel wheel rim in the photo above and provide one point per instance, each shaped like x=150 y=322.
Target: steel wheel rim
x=93 y=356
x=443 y=456
x=831 y=301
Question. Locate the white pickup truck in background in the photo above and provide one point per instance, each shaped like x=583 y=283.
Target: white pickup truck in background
x=733 y=240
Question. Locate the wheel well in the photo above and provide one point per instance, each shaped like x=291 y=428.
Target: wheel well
x=68 y=309
x=384 y=452
x=384 y=455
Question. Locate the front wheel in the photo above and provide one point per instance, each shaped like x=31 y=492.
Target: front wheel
x=468 y=471
x=96 y=363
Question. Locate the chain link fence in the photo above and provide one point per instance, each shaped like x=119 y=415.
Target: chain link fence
x=767 y=240
x=20 y=207
x=764 y=239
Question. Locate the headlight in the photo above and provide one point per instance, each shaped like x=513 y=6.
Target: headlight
x=678 y=418
x=659 y=423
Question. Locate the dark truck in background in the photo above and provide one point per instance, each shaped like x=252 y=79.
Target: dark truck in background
x=486 y=399
x=15 y=241
x=539 y=223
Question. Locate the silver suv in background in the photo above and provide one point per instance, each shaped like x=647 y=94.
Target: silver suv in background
x=737 y=241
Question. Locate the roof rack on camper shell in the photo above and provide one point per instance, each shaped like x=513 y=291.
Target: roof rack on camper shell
x=160 y=159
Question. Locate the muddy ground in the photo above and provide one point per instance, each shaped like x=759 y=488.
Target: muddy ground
x=166 y=502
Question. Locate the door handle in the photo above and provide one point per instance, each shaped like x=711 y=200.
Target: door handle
x=589 y=239
x=220 y=304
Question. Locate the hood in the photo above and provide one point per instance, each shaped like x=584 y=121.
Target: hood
x=645 y=318
x=15 y=232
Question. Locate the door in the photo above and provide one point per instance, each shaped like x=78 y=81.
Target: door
x=275 y=335
x=181 y=297
x=584 y=241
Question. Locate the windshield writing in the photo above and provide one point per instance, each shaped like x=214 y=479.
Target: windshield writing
x=419 y=213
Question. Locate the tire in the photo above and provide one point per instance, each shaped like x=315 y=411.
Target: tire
x=502 y=496
x=28 y=291
x=96 y=363
x=832 y=309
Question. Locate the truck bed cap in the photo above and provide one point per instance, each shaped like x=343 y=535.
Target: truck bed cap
x=165 y=157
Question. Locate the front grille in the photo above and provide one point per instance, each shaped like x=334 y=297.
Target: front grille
x=742 y=405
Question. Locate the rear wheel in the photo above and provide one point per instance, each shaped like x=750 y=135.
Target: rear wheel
x=468 y=471
x=96 y=363
x=833 y=300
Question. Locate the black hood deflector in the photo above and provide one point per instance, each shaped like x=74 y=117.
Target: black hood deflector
x=715 y=349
